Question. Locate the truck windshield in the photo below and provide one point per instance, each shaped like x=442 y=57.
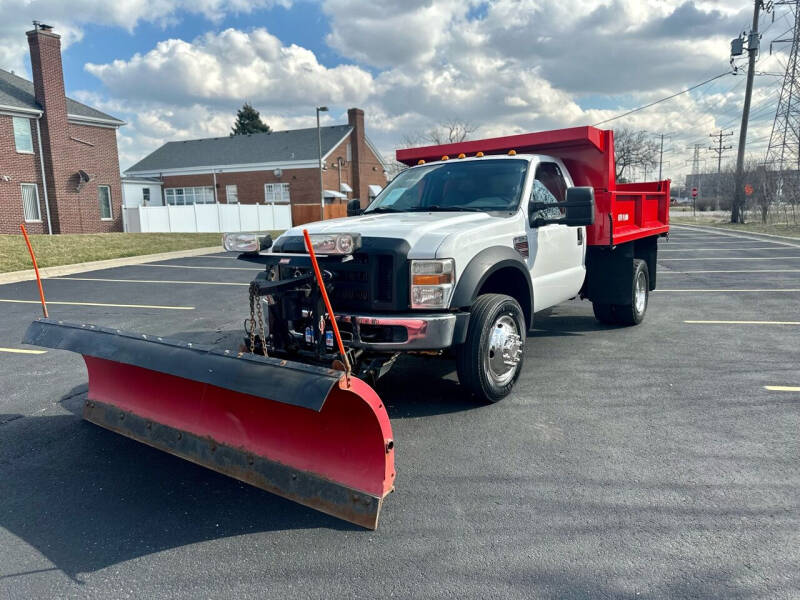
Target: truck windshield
x=475 y=185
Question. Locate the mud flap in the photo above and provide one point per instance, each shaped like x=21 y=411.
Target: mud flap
x=295 y=430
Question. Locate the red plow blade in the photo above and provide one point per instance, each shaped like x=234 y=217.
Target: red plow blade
x=295 y=430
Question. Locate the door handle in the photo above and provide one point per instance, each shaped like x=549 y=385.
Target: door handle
x=580 y=236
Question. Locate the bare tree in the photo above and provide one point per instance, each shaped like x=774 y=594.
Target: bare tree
x=634 y=149
x=451 y=131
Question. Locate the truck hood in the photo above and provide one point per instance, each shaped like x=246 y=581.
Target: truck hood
x=424 y=231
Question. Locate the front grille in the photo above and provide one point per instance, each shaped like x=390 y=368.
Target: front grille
x=374 y=280
x=362 y=283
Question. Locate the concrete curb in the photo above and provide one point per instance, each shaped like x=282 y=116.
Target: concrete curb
x=28 y=275
x=750 y=235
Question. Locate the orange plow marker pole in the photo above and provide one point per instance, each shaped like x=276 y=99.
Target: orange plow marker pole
x=35 y=269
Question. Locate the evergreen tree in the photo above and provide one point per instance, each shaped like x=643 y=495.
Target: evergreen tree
x=248 y=120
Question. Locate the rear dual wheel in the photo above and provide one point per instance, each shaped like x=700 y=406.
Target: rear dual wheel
x=633 y=313
x=490 y=360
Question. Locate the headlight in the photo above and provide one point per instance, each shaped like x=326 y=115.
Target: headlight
x=245 y=242
x=432 y=283
x=335 y=243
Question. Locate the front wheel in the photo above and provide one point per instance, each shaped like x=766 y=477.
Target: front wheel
x=490 y=360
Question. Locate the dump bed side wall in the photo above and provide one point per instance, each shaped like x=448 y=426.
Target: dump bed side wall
x=631 y=212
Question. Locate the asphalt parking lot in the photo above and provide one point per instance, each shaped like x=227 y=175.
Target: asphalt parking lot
x=659 y=461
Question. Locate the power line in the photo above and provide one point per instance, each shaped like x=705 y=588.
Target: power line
x=635 y=110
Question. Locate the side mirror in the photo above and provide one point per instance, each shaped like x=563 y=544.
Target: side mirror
x=579 y=207
x=354 y=208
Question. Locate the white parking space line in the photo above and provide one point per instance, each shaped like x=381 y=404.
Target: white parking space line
x=197 y=267
x=660 y=273
x=22 y=351
x=723 y=249
x=776 y=290
x=676 y=242
x=214 y=256
x=781 y=388
x=732 y=258
x=147 y=281
x=151 y=306
x=743 y=322
x=740 y=235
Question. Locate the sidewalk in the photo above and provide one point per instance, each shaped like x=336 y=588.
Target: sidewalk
x=29 y=274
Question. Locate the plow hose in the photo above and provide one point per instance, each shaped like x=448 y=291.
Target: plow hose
x=295 y=430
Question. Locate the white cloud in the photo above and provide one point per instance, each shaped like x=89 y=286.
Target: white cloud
x=231 y=66
x=69 y=17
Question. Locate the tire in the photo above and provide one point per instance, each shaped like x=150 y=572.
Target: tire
x=633 y=313
x=604 y=313
x=481 y=368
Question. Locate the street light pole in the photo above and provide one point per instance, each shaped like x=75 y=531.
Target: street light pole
x=319 y=154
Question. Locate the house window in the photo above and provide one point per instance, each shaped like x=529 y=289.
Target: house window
x=190 y=195
x=349 y=152
x=104 y=196
x=23 y=140
x=276 y=193
x=30 y=203
x=146 y=196
x=232 y=194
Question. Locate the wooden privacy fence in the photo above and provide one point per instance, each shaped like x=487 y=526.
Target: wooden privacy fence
x=308 y=213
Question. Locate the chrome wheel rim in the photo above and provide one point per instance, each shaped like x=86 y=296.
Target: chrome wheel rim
x=641 y=292
x=505 y=350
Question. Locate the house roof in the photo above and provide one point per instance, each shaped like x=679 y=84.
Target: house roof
x=295 y=145
x=17 y=93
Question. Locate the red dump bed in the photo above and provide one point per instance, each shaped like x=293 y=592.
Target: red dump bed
x=625 y=212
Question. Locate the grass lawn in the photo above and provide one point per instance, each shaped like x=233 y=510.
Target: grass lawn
x=772 y=228
x=68 y=249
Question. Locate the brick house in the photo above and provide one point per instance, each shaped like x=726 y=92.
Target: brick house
x=59 y=167
x=274 y=167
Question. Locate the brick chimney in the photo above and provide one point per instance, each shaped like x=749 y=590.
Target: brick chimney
x=355 y=118
x=48 y=85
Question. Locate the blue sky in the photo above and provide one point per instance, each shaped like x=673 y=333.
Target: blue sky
x=180 y=69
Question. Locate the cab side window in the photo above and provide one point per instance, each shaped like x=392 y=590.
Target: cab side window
x=540 y=194
x=553 y=179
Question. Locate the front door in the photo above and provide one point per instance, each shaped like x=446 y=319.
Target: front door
x=556 y=252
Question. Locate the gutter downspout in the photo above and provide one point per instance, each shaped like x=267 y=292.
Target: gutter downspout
x=44 y=180
x=214 y=174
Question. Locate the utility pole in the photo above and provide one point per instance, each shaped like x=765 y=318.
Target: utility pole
x=720 y=150
x=753 y=41
x=661 y=158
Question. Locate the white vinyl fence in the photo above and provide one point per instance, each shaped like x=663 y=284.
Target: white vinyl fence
x=201 y=218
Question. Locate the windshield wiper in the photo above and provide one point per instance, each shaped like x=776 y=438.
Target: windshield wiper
x=436 y=208
x=383 y=209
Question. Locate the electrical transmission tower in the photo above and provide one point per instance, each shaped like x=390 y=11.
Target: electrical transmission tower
x=783 y=152
x=720 y=151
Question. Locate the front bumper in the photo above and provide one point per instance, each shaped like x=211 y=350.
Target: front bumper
x=404 y=332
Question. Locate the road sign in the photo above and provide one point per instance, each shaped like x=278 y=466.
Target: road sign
x=748 y=189
x=694 y=192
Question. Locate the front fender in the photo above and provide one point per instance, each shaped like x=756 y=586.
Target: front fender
x=482 y=266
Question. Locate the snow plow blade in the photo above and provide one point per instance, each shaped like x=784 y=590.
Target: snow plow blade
x=292 y=429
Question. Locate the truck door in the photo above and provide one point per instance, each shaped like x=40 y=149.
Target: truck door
x=556 y=252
